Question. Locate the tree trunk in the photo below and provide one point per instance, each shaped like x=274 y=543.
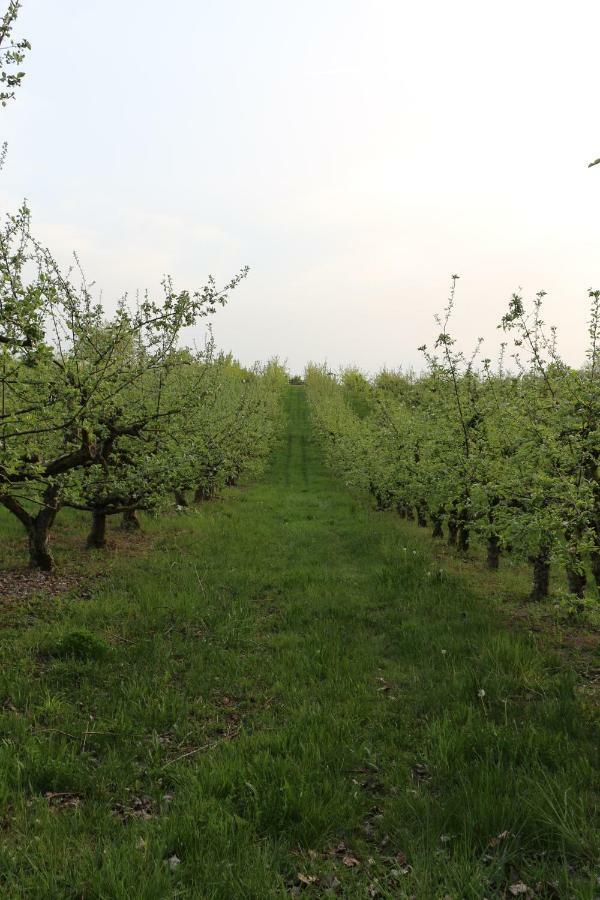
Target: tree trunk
x=383 y=500
x=203 y=492
x=401 y=509
x=422 y=515
x=595 y=552
x=410 y=513
x=464 y=533
x=37 y=527
x=576 y=579
x=493 y=551
x=436 y=521
x=97 y=536
x=541 y=575
x=595 y=561
x=40 y=555
x=130 y=521
x=180 y=498
x=452 y=527
x=493 y=541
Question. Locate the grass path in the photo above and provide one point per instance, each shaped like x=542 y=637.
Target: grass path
x=286 y=698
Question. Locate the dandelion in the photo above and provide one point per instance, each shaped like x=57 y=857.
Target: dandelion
x=481 y=693
x=444 y=652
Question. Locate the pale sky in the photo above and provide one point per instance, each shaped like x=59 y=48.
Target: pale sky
x=354 y=154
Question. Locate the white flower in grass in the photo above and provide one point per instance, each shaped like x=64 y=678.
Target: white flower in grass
x=481 y=693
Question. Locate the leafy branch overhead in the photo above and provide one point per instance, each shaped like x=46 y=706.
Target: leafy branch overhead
x=12 y=54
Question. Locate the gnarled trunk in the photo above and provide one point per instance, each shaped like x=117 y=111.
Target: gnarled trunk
x=452 y=526
x=576 y=577
x=97 y=536
x=463 y=520
x=493 y=541
x=595 y=562
x=180 y=498
x=576 y=581
x=541 y=574
x=436 y=521
x=383 y=500
x=203 y=492
x=464 y=534
x=38 y=527
x=40 y=555
x=38 y=531
x=595 y=551
x=493 y=551
x=422 y=515
x=130 y=521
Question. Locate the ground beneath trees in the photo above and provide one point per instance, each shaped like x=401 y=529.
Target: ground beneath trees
x=286 y=696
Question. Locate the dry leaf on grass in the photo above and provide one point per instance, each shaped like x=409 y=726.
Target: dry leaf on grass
x=139 y=808
x=63 y=799
x=419 y=772
x=499 y=838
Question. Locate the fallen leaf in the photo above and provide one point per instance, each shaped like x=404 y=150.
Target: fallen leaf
x=340 y=850
x=518 y=888
x=549 y=889
x=62 y=799
x=499 y=838
x=139 y=808
x=420 y=772
x=350 y=861
x=306 y=879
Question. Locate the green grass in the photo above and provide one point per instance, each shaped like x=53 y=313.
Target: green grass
x=283 y=673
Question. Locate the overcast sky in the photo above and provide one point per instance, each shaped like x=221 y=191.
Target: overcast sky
x=354 y=154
